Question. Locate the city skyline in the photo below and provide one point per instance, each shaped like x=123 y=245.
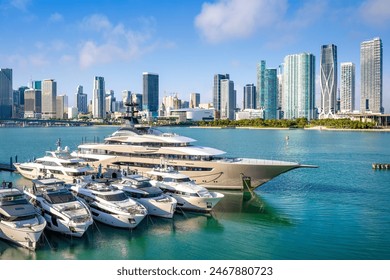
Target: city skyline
x=121 y=41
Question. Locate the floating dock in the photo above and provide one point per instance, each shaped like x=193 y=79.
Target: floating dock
x=381 y=166
x=7 y=167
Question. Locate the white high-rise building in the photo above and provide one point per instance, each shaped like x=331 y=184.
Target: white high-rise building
x=228 y=99
x=99 y=98
x=49 y=98
x=371 y=75
x=328 y=81
x=347 y=87
x=299 y=86
x=194 y=100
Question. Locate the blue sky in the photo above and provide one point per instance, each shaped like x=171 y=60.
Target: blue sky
x=185 y=42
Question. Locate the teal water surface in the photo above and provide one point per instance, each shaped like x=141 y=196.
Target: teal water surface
x=338 y=211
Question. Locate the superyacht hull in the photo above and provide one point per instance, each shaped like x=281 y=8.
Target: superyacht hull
x=223 y=174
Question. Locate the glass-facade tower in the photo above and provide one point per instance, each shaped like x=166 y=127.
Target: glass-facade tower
x=299 y=86
x=347 y=87
x=371 y=76
x=150 y=94
x=328 y=81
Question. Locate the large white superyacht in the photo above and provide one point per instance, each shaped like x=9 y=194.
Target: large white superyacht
x=140 y=147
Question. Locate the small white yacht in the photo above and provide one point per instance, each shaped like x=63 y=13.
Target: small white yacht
x=19 y=221
x=110 y=205
x=140 y=189
x=58 y=164
x=188 y=194
x=64 y=212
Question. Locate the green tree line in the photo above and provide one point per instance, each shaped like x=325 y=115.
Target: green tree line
x=296 y=123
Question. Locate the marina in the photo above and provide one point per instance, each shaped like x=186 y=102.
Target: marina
x=336 y=211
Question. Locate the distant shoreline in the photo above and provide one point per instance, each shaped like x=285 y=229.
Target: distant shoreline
x=306 y=128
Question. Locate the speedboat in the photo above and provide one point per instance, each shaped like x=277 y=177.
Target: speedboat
x=188 y=194
x=141 y=147
x=110 y=205
x=57 y=164
x=139 y=188
x=19 y=221
x=64 y=212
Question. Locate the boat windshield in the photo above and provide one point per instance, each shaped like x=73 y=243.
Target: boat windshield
x=113 y=197
x=176 y=180
x=13 y=200
x=59 y=197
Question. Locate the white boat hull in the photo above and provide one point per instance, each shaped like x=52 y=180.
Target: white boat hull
x=63 y=227
x=25 y=236
x=198 y=204
x=117 y=220
x=159 y=209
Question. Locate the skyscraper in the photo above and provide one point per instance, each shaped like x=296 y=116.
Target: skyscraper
x=249 y=96
x=150 y=97
x=217 y=93
x=328 y=81
x=6 y=93
x=81 y=100
x=194 y=100
x=270 y=98
x=32 y=103
x=347 y=87
x=260 y=84
x=371 y=76
x=228 y=99
x=49 y=98
x=62 y=107
x=299 y=86
x=99 y=98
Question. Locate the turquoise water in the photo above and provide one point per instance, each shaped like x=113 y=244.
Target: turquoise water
x=339 y=211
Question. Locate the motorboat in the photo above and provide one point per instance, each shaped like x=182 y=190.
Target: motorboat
x=188 y=194
x=57 y=164
x=110 y=205
x=140 y=189
x=64 y=212
x=20 y=223
x=141 y=147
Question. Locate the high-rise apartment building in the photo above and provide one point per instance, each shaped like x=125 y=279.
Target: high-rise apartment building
x=249 y=96
x=280 y=86
x=62 y=107
x=99 y=98
x=110 y=101
x=267 y=90
x=371 y=75
x=81 y=100
x=194 y=100
x=347 y=87
x=228 y=99
x=150 y=95
x=217 y=93
x=32 y=103
x=260 y=84
x=328 y=81
x=6 y=93
x=299 y=86
x=49 y=98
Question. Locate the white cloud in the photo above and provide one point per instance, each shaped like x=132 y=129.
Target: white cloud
x=232 y=19
x=56 y=17
x=20 y=4
x=376 y=12
x=113 y=42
